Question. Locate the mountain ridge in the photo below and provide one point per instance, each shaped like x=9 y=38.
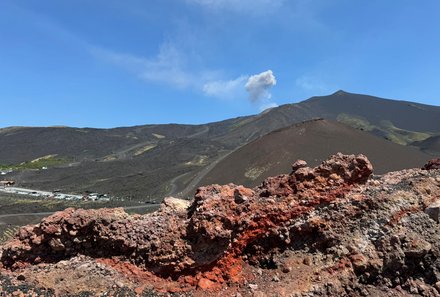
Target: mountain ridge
x=311 y=141
x=338 y=92
x=167 y=157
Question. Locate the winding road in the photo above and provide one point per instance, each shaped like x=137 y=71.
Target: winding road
x=197 y=178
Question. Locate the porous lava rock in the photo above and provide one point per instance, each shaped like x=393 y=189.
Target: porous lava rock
x=432 y=164
x=330 y=230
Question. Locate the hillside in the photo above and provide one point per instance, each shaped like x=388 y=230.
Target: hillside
x=311 y=141
x=20 y=144
x=400 y=121
x=430 y=145
x=145 y=176
x=152 y=161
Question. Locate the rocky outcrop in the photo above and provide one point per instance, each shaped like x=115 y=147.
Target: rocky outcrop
x=332 y=229
x=432 y=164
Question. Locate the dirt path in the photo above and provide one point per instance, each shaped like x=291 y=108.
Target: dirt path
x=174 y=186
x=199 y=176
x=205 y=130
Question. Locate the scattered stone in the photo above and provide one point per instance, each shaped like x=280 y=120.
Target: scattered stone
x=253 y=287
x=298 y=164
x=21 y=277
x=417 y=248
x=56 y=245
x=205 y=284
x=286 y=269
x=433 y=211
x=432 y=164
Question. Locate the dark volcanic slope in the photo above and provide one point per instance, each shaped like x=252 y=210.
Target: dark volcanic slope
x=141 y=176
x=430 y=145
x=20 y=144
x=390 y=118
x=380 y=116
x=405 y=115
x=311 y=141
x=160 y=160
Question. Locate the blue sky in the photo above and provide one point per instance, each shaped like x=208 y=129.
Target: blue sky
x=119 y=63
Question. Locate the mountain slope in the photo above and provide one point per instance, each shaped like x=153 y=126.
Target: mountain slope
x=159 y=160
x=20 y=144
x=311 y=141
x=400 y=121
x=143 y=176
x=403 y=114
x=430 y=145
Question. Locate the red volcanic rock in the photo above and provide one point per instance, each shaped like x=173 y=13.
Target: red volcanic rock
x=338 y=169
x=432 y=164
x=352 y=169
x=173 y=239
x=298 y=164
x=205 y=284
x=102 y=233
x=316 y=226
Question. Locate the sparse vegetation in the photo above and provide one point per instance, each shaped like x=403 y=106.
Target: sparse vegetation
x=385 y=128
x=42 y=162
x=123 y=163
x=401 y=136
x=158 y=136
x=109 y=158
x=7 y=232
x=10 y=203
x=254 y=172
x=198 y=161
x=145 y=149
x=18 y=204
x=355 y=121
x=241 y=123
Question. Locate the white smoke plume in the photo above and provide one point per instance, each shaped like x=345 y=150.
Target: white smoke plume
x=258 y=86
x=226 y=89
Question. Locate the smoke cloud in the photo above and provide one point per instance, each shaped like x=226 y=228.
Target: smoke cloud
x=258 y=86
x=226 y=89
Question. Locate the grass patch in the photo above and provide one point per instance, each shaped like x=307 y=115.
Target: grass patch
x=385 y=128
x=198 y=161
x=110 y=158
x=46 y=161
x=253 y=173
x=7 y=232
x=158 y=136
x=241 y=123
x=402 y=136
x=356 y=122
x=144 y=149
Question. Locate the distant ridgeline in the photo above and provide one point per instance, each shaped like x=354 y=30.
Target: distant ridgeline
x=152 y=161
